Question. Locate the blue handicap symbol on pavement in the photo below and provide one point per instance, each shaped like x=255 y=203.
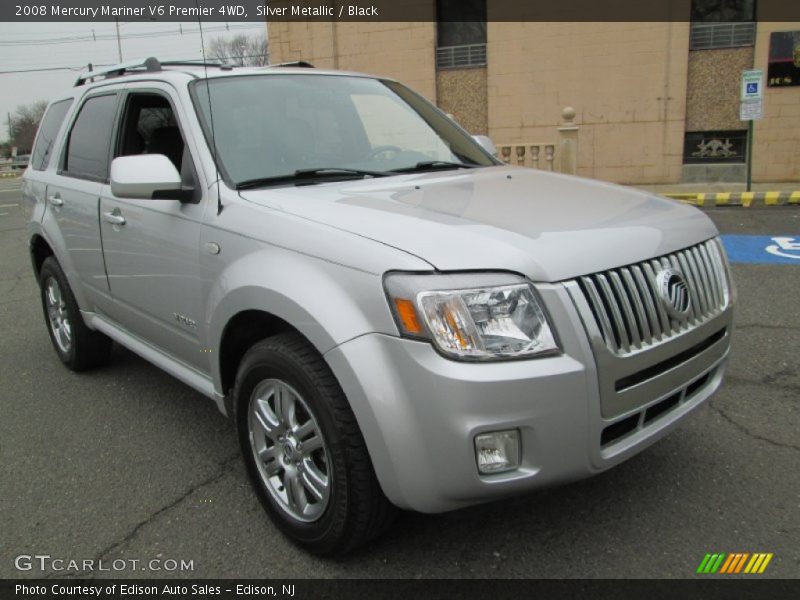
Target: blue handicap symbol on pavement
x=762 y=249
x=752 y=88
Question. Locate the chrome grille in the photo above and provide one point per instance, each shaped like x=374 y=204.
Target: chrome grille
x=627 y=306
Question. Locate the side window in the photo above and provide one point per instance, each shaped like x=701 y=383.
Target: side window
x=150 y=127
x=90 y=138
x=48 y=130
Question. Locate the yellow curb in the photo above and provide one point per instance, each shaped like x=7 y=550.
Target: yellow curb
x=745 y=199
x=682 y=196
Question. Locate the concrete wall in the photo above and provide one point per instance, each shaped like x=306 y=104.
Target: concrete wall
x=403 y=51
x=712 y=97
x=462 y=93
x=776 y=153
x=627 y=82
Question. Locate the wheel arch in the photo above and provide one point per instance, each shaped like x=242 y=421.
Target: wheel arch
x=40 y=250
x=241 y=332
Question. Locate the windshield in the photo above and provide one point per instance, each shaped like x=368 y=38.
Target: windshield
x=272 y=126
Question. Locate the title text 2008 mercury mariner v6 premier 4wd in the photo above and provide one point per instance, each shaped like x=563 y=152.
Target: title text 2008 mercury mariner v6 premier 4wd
x=389 y=314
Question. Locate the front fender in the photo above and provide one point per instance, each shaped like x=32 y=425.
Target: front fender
x=327 y=302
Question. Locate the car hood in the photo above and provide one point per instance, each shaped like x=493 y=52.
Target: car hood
x=547 y=226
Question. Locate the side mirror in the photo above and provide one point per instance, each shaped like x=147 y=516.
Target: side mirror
x=486 y=144
x=145 y=176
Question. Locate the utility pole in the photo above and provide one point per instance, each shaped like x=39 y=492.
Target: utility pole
x=750 y=155
x=9 y=128
x=119 y=41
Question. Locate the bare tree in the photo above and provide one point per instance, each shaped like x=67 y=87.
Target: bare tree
x=241 y=50
x=24 y=123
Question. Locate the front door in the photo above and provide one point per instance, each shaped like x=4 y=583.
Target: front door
x=151 y=247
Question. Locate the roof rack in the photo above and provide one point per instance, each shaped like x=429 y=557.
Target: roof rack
x=147 y=65
x=295 y=63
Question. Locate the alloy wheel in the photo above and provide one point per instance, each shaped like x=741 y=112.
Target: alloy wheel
x=289 y=450
x=58 y=316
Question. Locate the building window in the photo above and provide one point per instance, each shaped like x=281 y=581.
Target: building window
x=703 y=147
x=722 y=24
x=461 y=33
x=783 y=68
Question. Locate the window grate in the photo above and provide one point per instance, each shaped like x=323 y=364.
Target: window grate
x=703 y=147
x=455 y=57
x=706 y=36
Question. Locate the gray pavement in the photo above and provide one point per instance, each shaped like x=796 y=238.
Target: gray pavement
x=126 y=462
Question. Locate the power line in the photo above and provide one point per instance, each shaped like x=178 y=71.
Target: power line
x=105 y=37
x=46 y=69
x=83 y=67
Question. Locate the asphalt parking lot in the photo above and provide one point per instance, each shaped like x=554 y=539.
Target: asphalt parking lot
x=126 y=462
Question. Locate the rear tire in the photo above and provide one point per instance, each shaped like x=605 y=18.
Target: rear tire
x=303 y=449
x=78 y=347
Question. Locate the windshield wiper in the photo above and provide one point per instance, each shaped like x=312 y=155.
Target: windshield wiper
x=301 y=175
x=435 y=164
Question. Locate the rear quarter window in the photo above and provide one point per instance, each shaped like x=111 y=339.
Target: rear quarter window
x=48 y=131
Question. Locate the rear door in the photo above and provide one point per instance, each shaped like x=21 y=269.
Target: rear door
x=73 y=195
x=39 y=173
x=152 y=247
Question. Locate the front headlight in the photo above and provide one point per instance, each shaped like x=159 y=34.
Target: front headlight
x=480 y=316
x=723 y=266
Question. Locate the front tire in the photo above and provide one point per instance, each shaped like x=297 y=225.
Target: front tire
x=78 y=347
x=303 y=449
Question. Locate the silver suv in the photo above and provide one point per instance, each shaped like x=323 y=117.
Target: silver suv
x=390 y=315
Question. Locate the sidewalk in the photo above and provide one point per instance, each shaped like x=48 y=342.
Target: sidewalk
x=711 y=188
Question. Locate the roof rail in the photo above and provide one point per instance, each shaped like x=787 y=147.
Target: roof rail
x=295 y=63
x=147 y=65
x=195 y=63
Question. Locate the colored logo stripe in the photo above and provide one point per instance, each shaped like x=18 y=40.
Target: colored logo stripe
x=710 y=563
x=734 y=563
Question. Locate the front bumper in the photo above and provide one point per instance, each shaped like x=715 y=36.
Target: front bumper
x=420 y=412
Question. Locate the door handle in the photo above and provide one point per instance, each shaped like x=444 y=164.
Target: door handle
x=115 y=217
x=55 y=200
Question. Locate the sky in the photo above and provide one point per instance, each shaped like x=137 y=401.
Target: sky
x=28 y=46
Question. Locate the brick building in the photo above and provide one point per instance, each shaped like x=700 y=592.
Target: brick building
x=656 y=102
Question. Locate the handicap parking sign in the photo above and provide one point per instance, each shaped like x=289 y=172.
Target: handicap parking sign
x=762 y=249
x=751 y=84
x=786 y=247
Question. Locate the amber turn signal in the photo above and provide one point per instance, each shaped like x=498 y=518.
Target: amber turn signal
x=408 y=315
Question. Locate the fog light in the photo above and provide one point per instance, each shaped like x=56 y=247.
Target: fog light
x=497 y=451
